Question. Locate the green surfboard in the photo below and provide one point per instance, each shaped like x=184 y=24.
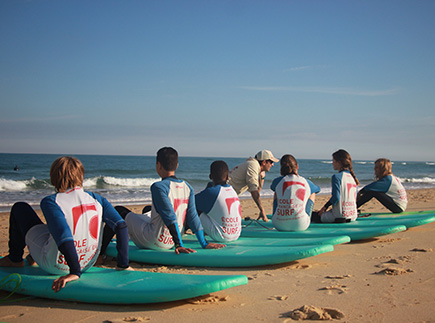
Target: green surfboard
x=408 y=219
x=108 y=286
x=266 y=230
x=263 y=242
x=231 y=256
x=410 y=213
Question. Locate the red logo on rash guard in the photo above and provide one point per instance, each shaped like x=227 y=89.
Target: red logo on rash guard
x=178 y=203
x=290 y=183
x=230 y=201
x=78 y=211
x=93 y=227
x=300 y=193
x=349 y=187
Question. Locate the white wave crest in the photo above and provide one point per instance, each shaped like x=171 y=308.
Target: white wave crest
x=430 y=163
x=424 y=180
x=11 y=185
x=326 y=161
x=90 y=182
x=122 y=182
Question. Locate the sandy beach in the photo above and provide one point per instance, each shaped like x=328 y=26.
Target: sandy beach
x=351 y=280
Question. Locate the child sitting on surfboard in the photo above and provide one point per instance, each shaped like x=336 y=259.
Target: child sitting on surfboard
x=70 y=241
x=344 y=189
x=387 y=188
x=173 y=205
x=219 y=206
x=294 y=197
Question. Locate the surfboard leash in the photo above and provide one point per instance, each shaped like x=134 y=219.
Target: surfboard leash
x=9 y=279
x=255 y=221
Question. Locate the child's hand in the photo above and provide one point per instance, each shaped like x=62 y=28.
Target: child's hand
x=179 y=250
x=212 y=245
x=60 y=283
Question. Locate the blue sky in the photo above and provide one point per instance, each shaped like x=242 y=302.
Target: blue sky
x=218 y=78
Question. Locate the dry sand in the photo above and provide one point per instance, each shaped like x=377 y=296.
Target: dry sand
x=388 y=279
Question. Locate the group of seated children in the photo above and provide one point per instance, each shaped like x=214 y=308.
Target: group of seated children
x=294 y=195
x=80 y=225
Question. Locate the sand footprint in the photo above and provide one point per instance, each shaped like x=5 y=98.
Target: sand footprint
x=422 y=249
x=207 y=300
x=341 y=289
x=393 y=271
x=308 y=312
x=278 y=297
x=338 y=276
x=128 y=319
x=399 y=260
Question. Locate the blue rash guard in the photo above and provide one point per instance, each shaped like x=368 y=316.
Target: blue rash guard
x=74 y=204
x=391 y=186
x=313 y=187
x=173 y=206
x=220 y=212
x=160 y=195
x=206 y=199
x=343 y=199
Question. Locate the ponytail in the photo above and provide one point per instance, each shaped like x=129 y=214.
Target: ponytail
x=345 y=160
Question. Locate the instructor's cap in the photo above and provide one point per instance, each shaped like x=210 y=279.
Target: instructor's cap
x=266 y=155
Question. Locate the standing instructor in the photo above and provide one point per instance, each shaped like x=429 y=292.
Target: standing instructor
x=249 y=176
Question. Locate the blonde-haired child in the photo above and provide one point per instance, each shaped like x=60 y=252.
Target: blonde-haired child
x=387 y=188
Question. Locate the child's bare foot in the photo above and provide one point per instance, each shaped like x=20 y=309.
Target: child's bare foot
x=6 y=262
x=30 y=260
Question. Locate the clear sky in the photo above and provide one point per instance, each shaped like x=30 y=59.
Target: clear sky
x=218 y=78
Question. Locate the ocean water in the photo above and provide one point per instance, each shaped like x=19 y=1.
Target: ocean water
x=127 y=179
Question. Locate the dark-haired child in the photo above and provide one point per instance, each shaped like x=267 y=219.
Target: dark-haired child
x=173 y=205
x=344 y=189
x=219 y=206
x=294 y=197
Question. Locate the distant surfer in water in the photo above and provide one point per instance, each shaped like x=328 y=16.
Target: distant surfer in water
x=16 y=168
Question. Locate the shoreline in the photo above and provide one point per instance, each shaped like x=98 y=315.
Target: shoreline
x=348 y=279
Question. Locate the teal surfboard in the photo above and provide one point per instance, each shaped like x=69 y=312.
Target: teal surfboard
x=108 y=286
x=409 y=221
x=263 y=242
x=410 y=213
x=230 y=256
x=266 y=230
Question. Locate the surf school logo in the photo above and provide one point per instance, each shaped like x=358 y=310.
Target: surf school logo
x=350 y=187
x=77 y=213
x=230 y=201
x=300 y=193
x=178 y=203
